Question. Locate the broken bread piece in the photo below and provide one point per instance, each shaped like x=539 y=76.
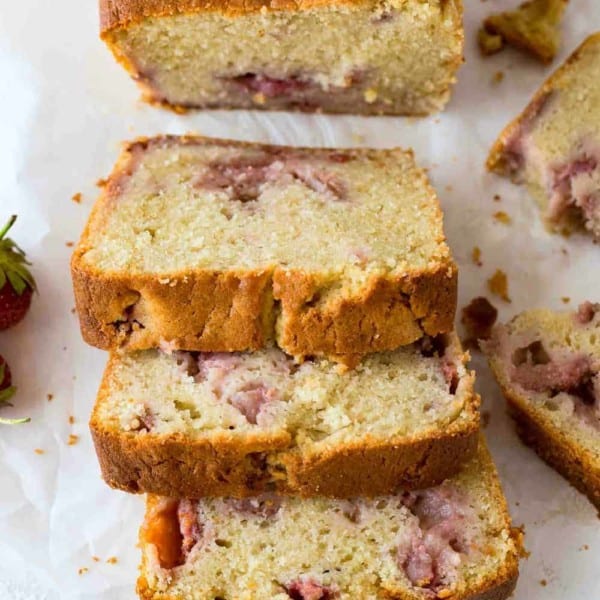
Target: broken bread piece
x=360 y=56
x=220 y=246
x=534 y=27
x=451 y=541
x=548 y=366
x=191 y=424
x=554 y=145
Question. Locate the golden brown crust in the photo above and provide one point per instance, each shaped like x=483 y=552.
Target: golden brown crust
x=556 y=447
x=177 y=466
x=228 y=311
x=120 y=13
x=496 y=161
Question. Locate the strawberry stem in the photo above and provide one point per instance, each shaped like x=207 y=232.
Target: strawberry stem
x=14 y=421
x=6 y=228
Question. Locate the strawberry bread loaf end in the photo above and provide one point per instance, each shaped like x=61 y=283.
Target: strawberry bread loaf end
x=218 y=246
x=554 y=145
x=338 y=56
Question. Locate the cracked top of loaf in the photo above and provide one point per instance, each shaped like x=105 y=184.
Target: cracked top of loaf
x=182 y=203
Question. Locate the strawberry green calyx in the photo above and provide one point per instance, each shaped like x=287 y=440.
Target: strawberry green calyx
x=5 y=395
x=13 y=263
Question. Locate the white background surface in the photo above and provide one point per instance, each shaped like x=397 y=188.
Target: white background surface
x=65 y=106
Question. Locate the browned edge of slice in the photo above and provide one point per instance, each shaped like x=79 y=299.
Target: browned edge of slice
x=175 y=465
x=556 y=448
x=230 y=311
x=496 y=161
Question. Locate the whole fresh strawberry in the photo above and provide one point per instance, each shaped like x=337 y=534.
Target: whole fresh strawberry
x=7 y=391
x=16 y=281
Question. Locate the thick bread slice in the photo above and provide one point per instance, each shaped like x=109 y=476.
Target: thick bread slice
x=453 y=541
x=553 y=146
x=548 y=366
x=340 y=56
x=194 y=425
x=214 y=245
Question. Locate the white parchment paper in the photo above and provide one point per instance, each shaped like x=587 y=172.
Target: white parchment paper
x=64 y=108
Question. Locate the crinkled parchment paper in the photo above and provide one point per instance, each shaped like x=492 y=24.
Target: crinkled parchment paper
x=64 y=108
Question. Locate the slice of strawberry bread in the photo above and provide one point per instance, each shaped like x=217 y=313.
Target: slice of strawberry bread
x=554 y=145
x=340 y=56
x=548 y=365
x=191 y=424
x=451 y=541
x=212 y=245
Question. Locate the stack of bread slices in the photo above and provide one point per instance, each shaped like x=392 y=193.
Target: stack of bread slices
x=284 y=381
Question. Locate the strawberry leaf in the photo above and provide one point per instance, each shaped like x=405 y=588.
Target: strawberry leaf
x=13 y=263
x=6 y=394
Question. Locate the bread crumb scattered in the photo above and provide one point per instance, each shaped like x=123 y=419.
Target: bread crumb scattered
x=498 y=77
x=502 y=217
x=489 y=43
x=448 y=188
x=476 y=256
x=77 y=198
x=83 y=571
x=498 y=285
x=485 y=418
x=584 y=547
x=478 y=317
x=543 y=582
x=112 y=560
x=96 y=558
x=497 y=198
x=73 y=439
x=101 y=182
x=71 y=420
x=566 y=299
x=73 y=311
x=69 y=244
x=50 y=397
x=39 y=451
x=533 y=27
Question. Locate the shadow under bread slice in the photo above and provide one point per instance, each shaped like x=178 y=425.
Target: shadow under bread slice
x=191 y=424
x=450 y=541
x=221 y=246
x=548 y=366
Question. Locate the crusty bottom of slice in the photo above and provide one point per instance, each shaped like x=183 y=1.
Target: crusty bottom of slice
x=231 y=424
x=548 y=367
x=557 y=449
x=452 y=541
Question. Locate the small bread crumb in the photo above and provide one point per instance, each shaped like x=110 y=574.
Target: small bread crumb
x=73 y=439
x=502 y=217
x=478 y=317
x=566 y=299
x=96 y=558
x=101 y=182
x=71 y=419
x=498 y=285
x=73 y=311
x=77 y=198
x=39 y=451
x=82 y=570
x=498 y=77
x=497 y=198
x=485 y=418
x=543 y=582
x=476 y=255
x=50 y=397
x=489 y=43
x=112 y=560
x=69 y=244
